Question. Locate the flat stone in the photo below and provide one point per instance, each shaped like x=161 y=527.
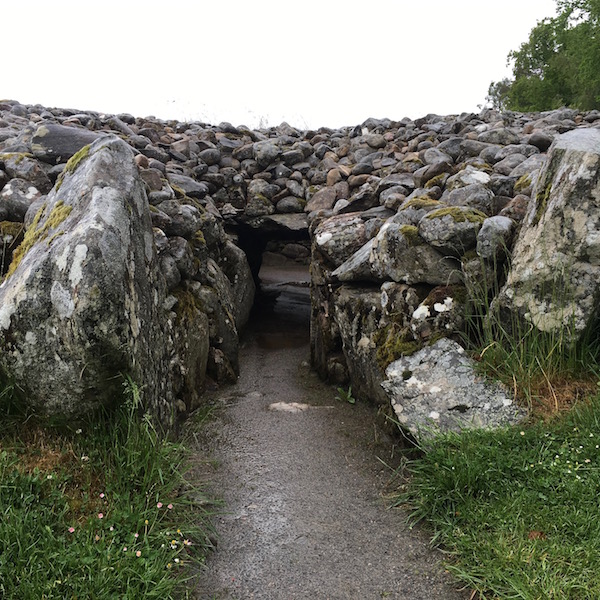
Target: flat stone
x=437 y=389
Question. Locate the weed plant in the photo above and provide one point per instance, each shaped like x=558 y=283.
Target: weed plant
x=516 y=509
x=345 y=395
x=102 y=511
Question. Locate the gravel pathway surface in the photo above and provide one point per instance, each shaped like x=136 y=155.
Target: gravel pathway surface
x=305 y=514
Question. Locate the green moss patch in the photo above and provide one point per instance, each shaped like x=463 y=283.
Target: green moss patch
x=437 y=180
x=36 y=233
x=421 y=202
x=459 y=215
x=18 y=156
x=188 y=304
x=393 y=342
x=522 y=183
x=411 y=234
x=72 y=164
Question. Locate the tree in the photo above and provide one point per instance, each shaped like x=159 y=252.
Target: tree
x=558 y=65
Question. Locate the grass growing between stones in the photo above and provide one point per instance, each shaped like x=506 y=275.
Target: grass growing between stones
x=102 y=511
x=548 y=371
x=517 y=509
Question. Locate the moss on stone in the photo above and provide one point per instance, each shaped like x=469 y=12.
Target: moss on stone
x=72 y=164
x=541 y=202
x=33 y=235
x=437 y=180
x=411 y=234
x=18 y=156
x=420 y=202
x=393 y=342
x=188 y=304
x=12 y=229
x=522 y=183
x=179 y=192
x=262 y=199
x=459 y=215
x=193 y=202
x=198 y=239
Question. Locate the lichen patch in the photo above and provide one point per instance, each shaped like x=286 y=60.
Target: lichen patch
x=75 y=274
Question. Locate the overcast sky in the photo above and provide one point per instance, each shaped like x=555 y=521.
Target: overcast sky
x=310 y=62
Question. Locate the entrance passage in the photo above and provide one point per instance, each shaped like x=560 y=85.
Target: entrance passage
x=282 y=306
x=304 y=515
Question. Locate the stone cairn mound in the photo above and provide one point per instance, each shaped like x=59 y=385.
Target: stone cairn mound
x=398 y=217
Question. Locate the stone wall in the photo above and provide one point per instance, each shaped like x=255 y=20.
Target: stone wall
x=400 y=214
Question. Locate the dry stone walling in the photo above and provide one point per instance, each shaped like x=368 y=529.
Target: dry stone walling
x=132 y=256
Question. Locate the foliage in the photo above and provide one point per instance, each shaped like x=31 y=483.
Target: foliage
x=517 y=508
x=102 y=511
x=345 y=395
x=557 y=65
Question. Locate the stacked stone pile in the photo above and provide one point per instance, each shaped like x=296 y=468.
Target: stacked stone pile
x=399 y=215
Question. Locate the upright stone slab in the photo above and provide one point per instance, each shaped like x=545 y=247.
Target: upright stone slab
x=554 y=281
x=83 y=299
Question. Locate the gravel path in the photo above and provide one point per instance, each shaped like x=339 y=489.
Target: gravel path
x=305 y=517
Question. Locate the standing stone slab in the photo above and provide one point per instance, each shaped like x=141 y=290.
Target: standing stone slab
x=554 y=281
x=83 y=299
x=437 y=389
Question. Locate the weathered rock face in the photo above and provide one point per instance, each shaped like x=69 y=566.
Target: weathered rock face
x=437 y=389
x=83 y=299
x=554 y=281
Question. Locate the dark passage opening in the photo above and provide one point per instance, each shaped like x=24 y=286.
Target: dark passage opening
x=280 y=267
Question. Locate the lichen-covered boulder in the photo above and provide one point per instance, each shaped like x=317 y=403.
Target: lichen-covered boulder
x=438 y=389
x=190 y=350
x=494 y=237
x=23 y=166
x=441 y=314
x=554 y=281
x=234 y=265
x=400 y=254
x=358 y=313
x=82 y=302
x=452 y=230
x=338 y=238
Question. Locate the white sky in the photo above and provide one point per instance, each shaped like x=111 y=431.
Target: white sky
x=310 y=62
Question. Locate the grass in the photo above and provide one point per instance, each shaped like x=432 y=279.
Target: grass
x=516 y=509
x=100 y=511
x=548 y=371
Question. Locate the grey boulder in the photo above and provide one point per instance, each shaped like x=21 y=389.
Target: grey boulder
x=81 y=304
x=438 y=389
